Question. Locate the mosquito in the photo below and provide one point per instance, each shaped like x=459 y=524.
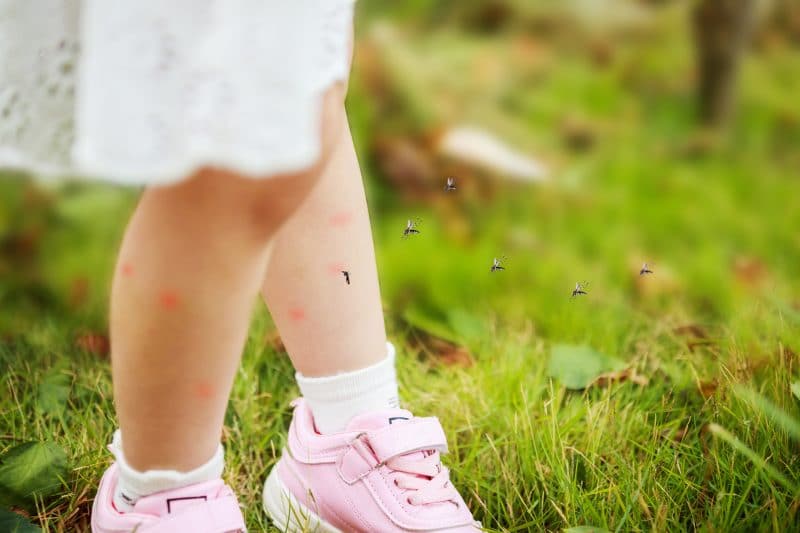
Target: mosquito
x=580 y=288
x=411 y=228
x=451 y=185
x=645 y=270
x=497 y=264
x=346 y=276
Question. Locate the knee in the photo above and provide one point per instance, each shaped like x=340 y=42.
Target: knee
x=257 y=206
x=273 y=199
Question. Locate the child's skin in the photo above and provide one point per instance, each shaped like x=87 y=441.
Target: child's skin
x=194 y=256
x=327 y=325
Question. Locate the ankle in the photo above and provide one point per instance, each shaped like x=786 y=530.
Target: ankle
x=335 y=400
x=134 y=484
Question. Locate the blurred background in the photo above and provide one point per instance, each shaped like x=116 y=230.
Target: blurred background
x=585 y=138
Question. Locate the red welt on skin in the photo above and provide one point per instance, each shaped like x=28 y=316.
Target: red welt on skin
x=169 y=300
x=204 y=390
x=297 y=314
x=127 y=270
x=342 y=218
x=336 y=268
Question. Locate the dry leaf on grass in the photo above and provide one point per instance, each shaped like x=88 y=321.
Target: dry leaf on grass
x=627 y=374
x=577 y=134
x=749 y=271
x=94 y=343
x=407 y=165
x=696 y=336
x=691 y=330
x=601 y=51
x=676 y=435
x=445 y=352
x=707 y=388
x=680 y=434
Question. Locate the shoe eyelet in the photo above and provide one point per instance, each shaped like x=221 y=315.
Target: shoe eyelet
x=395 y=483
x=408 y=501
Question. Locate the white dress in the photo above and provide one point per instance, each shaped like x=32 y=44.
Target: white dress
x=147 y=91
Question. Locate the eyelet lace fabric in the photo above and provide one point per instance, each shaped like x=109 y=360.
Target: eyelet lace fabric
x=146 y=92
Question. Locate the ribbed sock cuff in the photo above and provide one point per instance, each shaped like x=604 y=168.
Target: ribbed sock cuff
x=334 y=400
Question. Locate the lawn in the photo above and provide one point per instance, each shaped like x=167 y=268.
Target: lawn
x=705 y=432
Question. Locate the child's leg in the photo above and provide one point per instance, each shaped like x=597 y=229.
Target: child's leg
x=192 y=261
x=355 y=462
x=328 y=326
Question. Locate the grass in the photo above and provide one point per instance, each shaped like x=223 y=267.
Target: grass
x=697 y=448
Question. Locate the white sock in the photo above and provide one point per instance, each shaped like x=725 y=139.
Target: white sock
x=132 y=484
x=335 y=400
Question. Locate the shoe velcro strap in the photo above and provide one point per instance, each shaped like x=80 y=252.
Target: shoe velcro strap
x=220 y=515
x=373 y=448
x=412 y=436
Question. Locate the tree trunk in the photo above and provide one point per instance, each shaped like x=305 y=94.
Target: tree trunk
x=721 y=32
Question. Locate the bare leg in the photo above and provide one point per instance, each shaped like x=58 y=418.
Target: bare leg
x=327 y=325
x=192 y=261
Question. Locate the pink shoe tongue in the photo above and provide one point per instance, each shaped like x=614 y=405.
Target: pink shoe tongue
x=378 y=419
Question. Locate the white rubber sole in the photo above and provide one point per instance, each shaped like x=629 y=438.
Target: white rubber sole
x=288 y=514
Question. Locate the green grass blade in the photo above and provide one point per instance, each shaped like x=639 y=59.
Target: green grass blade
x=756 y=459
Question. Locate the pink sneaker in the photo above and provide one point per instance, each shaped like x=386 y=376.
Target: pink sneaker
x=382 y=474
x=209 y=507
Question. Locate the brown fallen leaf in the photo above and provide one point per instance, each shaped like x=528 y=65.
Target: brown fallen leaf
x=692 y=345
x=22 y=245
x=707 y=388
x=691 y=330
x=680 y=434
x=578 y=135
x=442 y=351
x=749 y=271
x=451 y=354
x=407 y=165
x=94 y=343
x=488 y=16
x=627 y=374
x=696 y=337
x=601 y=52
